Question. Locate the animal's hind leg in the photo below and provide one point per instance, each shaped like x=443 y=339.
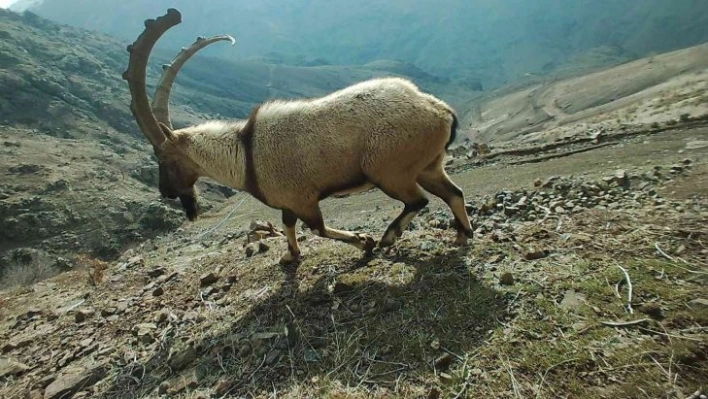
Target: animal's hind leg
x=414 y=200
x=435 y=180
x=293 y=254
x=312 y=217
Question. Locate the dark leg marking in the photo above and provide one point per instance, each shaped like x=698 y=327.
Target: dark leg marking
x=396 y=227
x=289 y=220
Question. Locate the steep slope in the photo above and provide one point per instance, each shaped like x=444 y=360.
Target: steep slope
x=650 y=92
x=77 y=174
x=492 y=42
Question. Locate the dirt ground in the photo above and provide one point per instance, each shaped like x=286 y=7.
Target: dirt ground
x=428 y=320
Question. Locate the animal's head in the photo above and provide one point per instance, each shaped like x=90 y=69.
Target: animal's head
x=178 y=173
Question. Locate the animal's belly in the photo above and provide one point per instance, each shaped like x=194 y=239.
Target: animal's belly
x=353 y=190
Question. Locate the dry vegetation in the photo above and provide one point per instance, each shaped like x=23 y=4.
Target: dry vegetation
x=538 y=307
x=573 y=291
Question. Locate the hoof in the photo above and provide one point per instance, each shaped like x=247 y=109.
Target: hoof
x=367 y=244
x=288 y=259
x=462 y=239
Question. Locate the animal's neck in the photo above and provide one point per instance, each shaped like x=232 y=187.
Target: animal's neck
x=214 y=146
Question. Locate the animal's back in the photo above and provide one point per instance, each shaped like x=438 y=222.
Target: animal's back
x=371 y=125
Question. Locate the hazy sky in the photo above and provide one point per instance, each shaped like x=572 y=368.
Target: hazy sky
x=6 y=3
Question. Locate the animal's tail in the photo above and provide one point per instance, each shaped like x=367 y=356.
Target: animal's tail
x=453 y=131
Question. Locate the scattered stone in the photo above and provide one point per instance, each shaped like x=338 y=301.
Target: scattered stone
x=144 y=332
x=135 y=261
x=444 y=362
x=157 y=272
x=109 y=311
x=82 y=315
x=341 y=289
x=622 y=178
x=263 y=247
x=652 y=310
x=222 y=387
x=390 y=305
x=158 y=291
x=272 y=357
x=183 y=383
x=208 y=279
x=535 y=254
x=250 y=250
x=506 y=279
x=11 y=367
x=163 y=388
x=496 y=258
x=571 y=300
x=183 y=359
x=17 y=343
x=699 y=302
x=69 y=383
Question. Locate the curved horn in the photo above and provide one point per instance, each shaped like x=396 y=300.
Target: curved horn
x=161 y=100
x=137 y=68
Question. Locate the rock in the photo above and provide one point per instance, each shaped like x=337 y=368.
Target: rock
x=427 y=246
x=163 y=388
x=144 y=332
x=17 y=343
x=506 y=279
x=11 y=367
x=109 y=311
x=652 y=310
x=135 y=261
x=272 y=357
x=244 y=350
x=183 y=383
x=69 y=383
x=82 y=315
x=444 y=362
x=162 y=316
x=263 y=247
x=157 y=272
x=496 y=258
x=222 y=387
x=158 y=291
x=208 y=279
x=341 y=289
x=390 y=305
x=535 y=253
x=250 y=250
x=621 y=178
x=183 y=359
x=571 y=300
x=699 y=302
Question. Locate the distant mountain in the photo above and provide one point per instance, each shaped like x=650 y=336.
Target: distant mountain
x=22 y=5
x=484 y=41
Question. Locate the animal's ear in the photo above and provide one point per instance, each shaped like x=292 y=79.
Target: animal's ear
x=167 y=131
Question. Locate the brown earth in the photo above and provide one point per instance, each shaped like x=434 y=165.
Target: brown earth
x=519 y=314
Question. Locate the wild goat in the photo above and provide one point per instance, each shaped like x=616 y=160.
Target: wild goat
x=382 y=133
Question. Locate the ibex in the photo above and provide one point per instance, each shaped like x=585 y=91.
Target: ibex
x=382 y=133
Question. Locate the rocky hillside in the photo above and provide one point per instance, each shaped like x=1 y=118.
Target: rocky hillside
x=77 y=175
x=653 y=92
x=611 y=259
x=475 y=41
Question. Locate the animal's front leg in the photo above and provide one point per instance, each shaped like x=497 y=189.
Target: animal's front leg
x=293 y=254
x=313 y=219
